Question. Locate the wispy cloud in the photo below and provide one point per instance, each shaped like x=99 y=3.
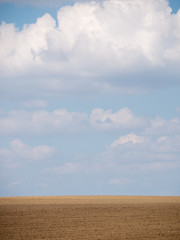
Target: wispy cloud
x=14 y=184
x=34 y=104
x=66 y=168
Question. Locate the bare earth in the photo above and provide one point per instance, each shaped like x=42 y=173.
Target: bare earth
x=89 y=217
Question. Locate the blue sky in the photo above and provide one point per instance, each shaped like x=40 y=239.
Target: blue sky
x=89 y=97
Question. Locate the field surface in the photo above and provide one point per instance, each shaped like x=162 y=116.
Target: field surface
x=89 y=218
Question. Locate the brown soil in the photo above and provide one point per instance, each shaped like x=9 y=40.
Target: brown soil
x=89 y=218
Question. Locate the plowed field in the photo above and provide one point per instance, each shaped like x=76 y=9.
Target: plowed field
x=90 y=218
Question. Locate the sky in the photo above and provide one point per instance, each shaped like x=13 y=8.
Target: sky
x=89 y=97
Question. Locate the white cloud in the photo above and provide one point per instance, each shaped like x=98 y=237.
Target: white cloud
x=94 y=45
x=25 y=151
x=42 y=122
x=133 y=156
x=161 y=126
x=168 y=144
x=124 y=118
x=130 y=155
x=133 y=138
x=20 y=50
x=60 y=120
x=132 y=148
x=19 y=154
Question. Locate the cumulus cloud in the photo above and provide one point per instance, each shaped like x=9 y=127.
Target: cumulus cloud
x=124 y=118
x=144 y=149
x=161 y=126
x=25 y=151
x=42 y=122
x=20 y=151
x=60 y=120
x=94 y=45
x=132 y=138
x=128 y=156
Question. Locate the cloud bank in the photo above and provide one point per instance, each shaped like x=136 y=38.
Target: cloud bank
x=43 y=122
x=109 y=45
x=42 y=3
x=130 y=155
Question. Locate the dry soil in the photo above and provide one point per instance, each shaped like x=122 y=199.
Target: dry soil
x=90 y=218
